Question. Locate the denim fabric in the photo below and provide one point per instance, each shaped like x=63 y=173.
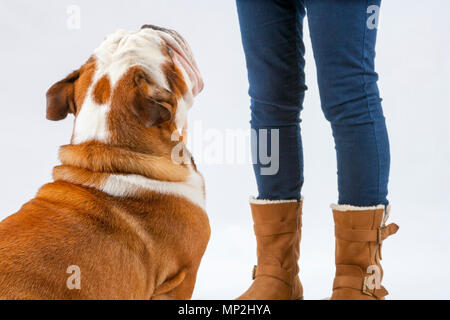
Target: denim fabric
x=343 y=36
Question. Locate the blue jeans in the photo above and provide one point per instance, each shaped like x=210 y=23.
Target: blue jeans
x=343 y=35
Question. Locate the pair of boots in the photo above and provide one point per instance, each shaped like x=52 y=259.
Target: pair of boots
x=359 y=236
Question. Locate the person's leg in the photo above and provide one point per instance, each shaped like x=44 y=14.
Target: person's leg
x=272 y=38
x=343 y=35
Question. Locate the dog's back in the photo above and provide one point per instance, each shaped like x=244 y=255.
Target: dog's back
x=122 y=248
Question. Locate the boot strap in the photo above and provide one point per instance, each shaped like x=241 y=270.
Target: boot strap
x=275 y=228
x=377 y=235
x=274 y=272
x=357 y=283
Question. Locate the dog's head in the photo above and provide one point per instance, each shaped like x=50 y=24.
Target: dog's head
x=137 y=84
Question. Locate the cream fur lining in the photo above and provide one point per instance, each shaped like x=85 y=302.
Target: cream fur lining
x=253 y=200
x=347 y=207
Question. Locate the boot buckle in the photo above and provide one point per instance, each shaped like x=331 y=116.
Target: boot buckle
x=254 y=273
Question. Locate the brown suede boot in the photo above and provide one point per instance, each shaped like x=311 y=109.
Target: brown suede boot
x=359 y=236
x=278 y=232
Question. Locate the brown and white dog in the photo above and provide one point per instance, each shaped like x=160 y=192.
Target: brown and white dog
x=122 y=219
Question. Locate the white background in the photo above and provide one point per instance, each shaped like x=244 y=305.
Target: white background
x=413 y=53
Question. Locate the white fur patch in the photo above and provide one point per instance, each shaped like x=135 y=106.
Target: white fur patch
x=181 y=115
x=129 y=185
x=125 y=49
x=90 y=123
x=253 y=200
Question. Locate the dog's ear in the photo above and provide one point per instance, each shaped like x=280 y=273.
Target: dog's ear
x=152 y=104
x=60 y=98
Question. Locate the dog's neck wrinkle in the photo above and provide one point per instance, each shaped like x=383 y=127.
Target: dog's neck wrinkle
x=98 y=158
x=133 y=185
x=130 y=186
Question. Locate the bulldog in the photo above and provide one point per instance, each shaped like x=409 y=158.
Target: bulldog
x=122 y=218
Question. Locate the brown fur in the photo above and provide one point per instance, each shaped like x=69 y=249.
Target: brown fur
x=102 y=91
x=84 y=82
x=146 y=246
x=107 y=159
